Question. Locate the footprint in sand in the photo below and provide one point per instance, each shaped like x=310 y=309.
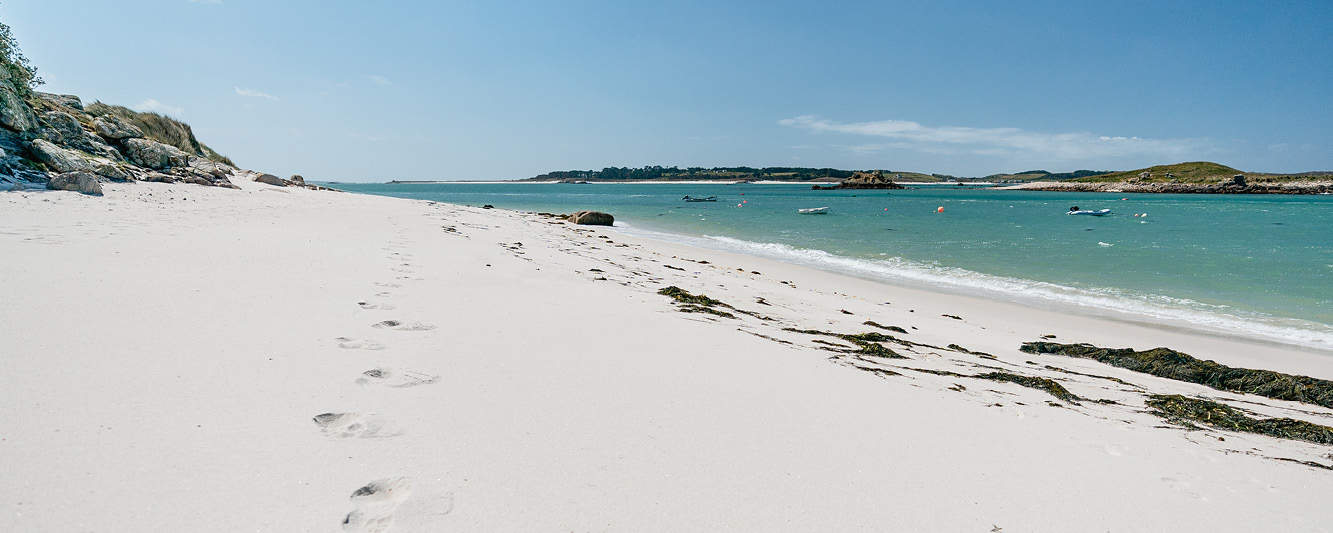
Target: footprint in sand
x=394 y=378
x=374 y=504
x=400 y=326
x=368 y=305
x=348 y=425
x=347 y=343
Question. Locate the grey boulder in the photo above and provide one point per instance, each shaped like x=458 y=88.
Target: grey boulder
x=57 y=158
x=592 y=218
x=14 y=112
x=153 y=154
x=82 y=182
x=111 y=172
x=271 y=180
x=115 y=128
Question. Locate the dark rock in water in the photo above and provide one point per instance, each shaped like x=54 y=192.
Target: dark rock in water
x=83 y=182
x=862 y=180
x=1170 y=364
x=488 y=206
x=271 y=180
x=592 y=218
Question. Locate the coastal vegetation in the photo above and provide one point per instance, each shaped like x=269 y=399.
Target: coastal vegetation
x=160 y=128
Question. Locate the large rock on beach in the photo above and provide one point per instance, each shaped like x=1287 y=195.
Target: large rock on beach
x=271 y=180
x=592 y=218
x=114 y=128
x=83 y=182
x=57 y=158
x=15 y=114
x=153 y=154
x=111 y=172
x=63 y=100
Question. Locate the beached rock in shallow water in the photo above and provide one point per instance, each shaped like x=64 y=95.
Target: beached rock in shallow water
x=84 y=182
x=592 y=218
x=271 y=180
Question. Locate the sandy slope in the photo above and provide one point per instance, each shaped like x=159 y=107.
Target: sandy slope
x=166 y=350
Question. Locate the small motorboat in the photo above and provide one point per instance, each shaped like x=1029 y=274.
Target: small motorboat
x=813 y=211
x=689 y=198
x=1097 y=213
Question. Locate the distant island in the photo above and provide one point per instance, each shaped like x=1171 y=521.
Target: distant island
x=728 y=174
x=1188 y=177
x=1198 y=177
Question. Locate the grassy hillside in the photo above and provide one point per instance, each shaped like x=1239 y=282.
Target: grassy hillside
x=161 y=128
x=1043 y=175
x=1192 y=172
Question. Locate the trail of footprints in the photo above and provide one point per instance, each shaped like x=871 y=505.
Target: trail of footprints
x=373 y=506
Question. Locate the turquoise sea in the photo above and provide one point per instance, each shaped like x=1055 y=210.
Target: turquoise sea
x=1257 y=266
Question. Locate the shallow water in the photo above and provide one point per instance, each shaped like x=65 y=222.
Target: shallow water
x=1251 y=265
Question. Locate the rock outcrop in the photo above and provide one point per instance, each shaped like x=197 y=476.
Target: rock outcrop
x=862 y=180
x=115 y=128
x=592 y=218
x=83 y=182
x=152 y=154
x=57 y=158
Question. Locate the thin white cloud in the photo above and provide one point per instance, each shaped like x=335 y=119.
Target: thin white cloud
x=254 y=93
x=159 y=107
x=379 y=80
x=1001 y=142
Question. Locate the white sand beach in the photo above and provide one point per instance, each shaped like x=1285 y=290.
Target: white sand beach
x=186 y=358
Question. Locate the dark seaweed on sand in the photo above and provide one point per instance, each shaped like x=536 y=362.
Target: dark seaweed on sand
x=1168 y=363
x=1188 y=411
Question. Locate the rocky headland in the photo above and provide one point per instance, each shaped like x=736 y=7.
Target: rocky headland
x=55 y=141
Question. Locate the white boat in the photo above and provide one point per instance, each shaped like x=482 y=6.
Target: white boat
x=1100 y=212
x=813 y=211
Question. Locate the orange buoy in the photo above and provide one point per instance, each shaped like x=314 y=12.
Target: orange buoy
x=940 y=209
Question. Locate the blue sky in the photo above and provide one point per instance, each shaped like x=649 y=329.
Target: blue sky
x=438 y=90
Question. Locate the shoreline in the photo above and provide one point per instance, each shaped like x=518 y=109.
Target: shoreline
x=273 y=349
x=1154 y=318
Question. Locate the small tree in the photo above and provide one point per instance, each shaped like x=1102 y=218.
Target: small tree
x=15 y=66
